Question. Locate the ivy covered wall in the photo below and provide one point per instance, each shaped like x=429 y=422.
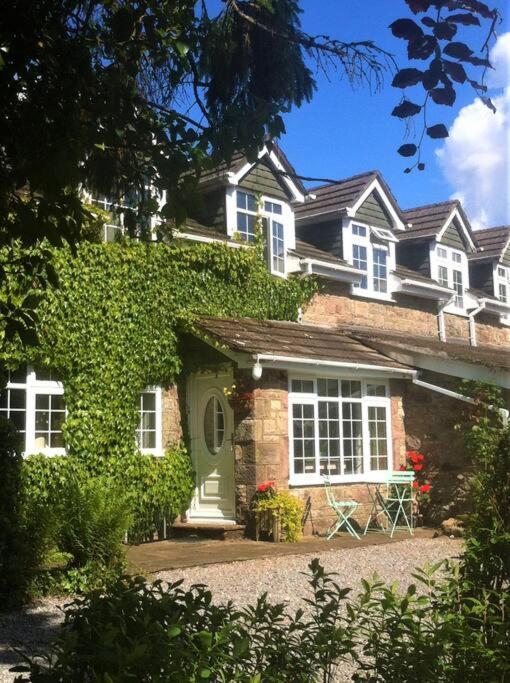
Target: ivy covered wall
x=111 y=326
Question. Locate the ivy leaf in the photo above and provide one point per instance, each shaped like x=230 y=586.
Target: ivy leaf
x=428 y=21
x=465 y=19
x=407 y=150
x=455 y=70
x=437 y=131
x=445 y=96
x=479 y=61
x=406 y=28
x=407 y=77
x=458 y=50
x=406 y=109
x=421 y=166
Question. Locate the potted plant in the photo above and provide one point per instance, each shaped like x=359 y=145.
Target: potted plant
x=278 y=514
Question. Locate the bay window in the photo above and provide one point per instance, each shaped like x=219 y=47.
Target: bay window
x=246 y=215
x=503 y=284
x=339 y=428
x=451 y=271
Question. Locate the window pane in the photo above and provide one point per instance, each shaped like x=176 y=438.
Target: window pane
x=272 y=207
x=380 y=271
x=57 y=402
x=56 y=440
x=327 y=387
x=443 y=276
x=303 y=438
x=359 y=230
x=42 y=402
x=459 y=288
x=16 y=399
x=378 y=438
x=149 y=440
x=42 y=420
x=359 y=261
x=18 y=419
x=246 y=226
x=148 y=400
x=18 y=376
x=213 y=432
x=302 y=386
x=351 y=389
x=376 y=390
x=329 y=447
x=352 y=438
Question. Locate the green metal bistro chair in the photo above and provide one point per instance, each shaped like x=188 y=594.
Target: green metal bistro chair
x=399 y=500
x=343 y=510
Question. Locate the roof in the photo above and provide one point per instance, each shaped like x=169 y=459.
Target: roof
x=491 y=242
x=193 y=227
x=429 y=219
x=489 y=356
x=308 y=251
x=343 y=194
x=239 y=159
x=292 y=340
x=409 y=274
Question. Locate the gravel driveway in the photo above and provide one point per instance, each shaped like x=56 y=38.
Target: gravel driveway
x=281 y=577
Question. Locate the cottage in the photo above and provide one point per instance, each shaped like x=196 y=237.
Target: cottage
x=411 y=303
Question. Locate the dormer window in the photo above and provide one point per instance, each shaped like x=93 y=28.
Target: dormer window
x=451 y=272
x=246 y=215
x=370 y=249
x=273 y=216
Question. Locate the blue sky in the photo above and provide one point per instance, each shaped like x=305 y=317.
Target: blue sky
x=343 y=131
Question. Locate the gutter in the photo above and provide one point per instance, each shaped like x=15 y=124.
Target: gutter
x=503 y=412
x=441 y=328
x=272 y=358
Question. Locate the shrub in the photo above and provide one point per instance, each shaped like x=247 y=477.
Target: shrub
x=286 y=507
x=11 y=573
x=149 y=632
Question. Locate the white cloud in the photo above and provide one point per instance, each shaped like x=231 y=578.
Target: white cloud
x=475 y=159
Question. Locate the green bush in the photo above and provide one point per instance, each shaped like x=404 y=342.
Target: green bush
x=11 y=547
x=147 y=632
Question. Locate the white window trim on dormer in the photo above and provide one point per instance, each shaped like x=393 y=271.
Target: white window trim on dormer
x=376 y=185
x=455 y=214
x=498 y=280
x=349 y=240
x=286 y=218
x=451 y=265
x=235 y=178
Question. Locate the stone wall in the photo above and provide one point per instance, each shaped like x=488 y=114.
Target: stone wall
x=171 y=417
x=261 y=448
x=334 y=305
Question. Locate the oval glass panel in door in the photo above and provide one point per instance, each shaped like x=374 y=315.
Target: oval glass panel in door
x=214 y=425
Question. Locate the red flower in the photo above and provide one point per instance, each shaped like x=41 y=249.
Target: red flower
x=266 y=485
x=415 y=484
x=425 y=488
x=417 y=468
x=402 y=468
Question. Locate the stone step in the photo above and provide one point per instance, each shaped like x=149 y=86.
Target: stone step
x=203 y=530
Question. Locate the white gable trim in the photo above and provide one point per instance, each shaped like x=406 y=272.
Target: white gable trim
x=235 y=178
x=455 y=214
x=376 y=185
x=507 y=246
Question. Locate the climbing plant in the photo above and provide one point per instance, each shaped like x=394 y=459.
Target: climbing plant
x=111 y=328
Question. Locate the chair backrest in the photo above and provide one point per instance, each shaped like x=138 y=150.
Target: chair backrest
x=404 y=477
x=329 y=491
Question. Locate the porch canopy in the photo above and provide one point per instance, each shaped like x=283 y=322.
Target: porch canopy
x=479 y=363
x=291 y=345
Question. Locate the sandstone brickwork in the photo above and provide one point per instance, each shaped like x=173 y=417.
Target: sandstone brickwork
x=171 y=418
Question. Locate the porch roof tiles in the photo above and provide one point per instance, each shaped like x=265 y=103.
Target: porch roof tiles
x=293 y=340
x=402 y=343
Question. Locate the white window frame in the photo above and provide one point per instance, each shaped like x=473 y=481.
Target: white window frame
x=106 y=204
x=386 y=243
x=285 y=218
x=32 y=387
x=366 y=401
x=502 y=278
x=158 y=449
x=452 y=259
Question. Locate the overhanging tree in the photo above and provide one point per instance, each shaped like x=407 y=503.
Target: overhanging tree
x=132 y=97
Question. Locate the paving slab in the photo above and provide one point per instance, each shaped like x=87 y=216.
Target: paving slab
x=149 y=558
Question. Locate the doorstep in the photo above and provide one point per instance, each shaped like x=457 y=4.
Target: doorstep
x=185 y=552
